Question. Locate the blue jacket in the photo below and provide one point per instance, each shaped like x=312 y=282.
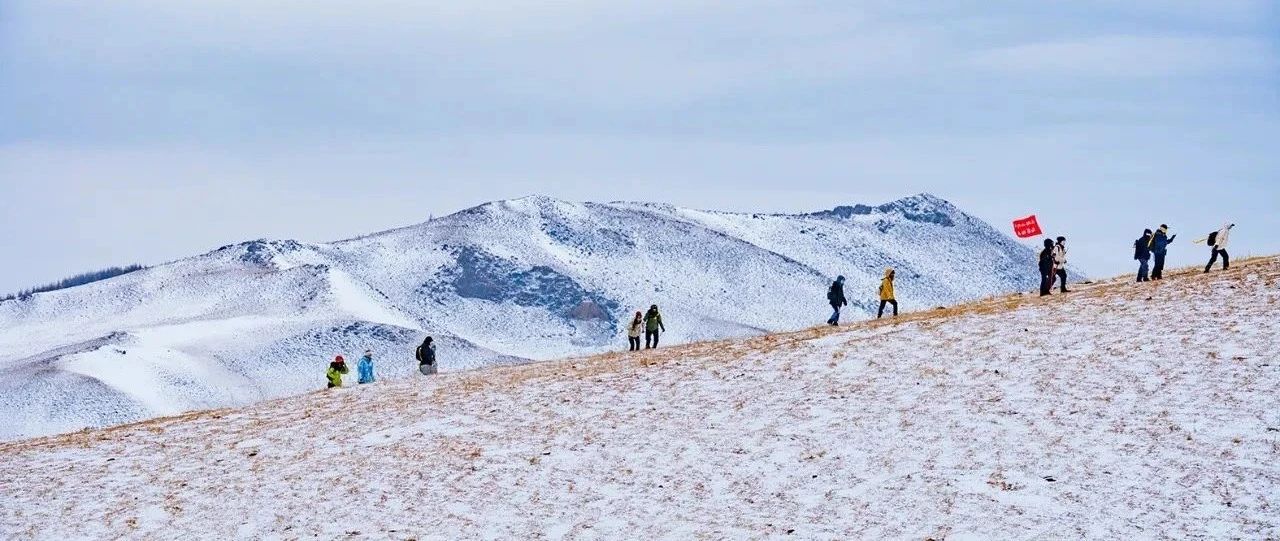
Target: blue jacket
x=365 y=369
x=1160 y=242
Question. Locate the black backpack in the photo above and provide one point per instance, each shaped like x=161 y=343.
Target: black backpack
x=832 y=296
x=1213 y=239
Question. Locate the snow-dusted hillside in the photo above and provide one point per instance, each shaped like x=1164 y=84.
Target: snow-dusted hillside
x=504 y=282
x=1122 y=411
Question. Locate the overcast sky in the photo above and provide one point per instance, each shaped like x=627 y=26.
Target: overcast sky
x=148 y=130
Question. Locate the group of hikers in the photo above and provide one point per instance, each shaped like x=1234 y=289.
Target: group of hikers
x=425 y=354
x=651 y=324
x=1157 y=245
x=1053 y=270
x=835 y=296
x=1053 y=265
x=1053 y=259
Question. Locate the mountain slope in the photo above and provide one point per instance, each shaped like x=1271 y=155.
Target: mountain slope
x=1019 y=417
x=509 y=281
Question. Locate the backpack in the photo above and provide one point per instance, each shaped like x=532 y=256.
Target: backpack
x=1213 y=239
x=832 y=296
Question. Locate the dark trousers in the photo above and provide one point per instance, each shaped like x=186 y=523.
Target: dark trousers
x=635 y=343
x=1062 y=279
x=894 y=302
x=650 y=339
x=1046 y=282
x=835 y=315
x=1226 y=260
x=1157 y=273
x=1143 y=268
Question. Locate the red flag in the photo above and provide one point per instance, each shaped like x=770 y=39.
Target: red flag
x=1027 y=227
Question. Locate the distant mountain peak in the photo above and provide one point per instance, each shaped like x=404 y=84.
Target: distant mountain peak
x=926 y=198
x=922 y=207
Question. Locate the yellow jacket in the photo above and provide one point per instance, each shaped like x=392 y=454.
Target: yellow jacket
x=886 y=286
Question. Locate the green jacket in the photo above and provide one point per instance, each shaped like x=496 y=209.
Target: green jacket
x=653 y=321
x=335 y=372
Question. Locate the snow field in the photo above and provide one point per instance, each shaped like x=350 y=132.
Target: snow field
x=1120 y=411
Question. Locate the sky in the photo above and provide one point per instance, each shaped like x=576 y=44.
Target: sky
x=142 y=131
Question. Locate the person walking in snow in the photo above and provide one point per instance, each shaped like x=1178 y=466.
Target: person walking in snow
x=364 y=368
x=1159 y=245
x=336 y=369
x=1218 y=243
x=835 y=296
x=652 y=326
x=1142 y=254
x=1046 y=268
x=886 y=294
x=633 y=332
x=426 y=355
x=1060 y=263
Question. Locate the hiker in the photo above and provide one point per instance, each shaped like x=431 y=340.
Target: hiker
x=426 y=356
x=336 y=369
x=1142 y=253
x=1046 y=268
x=886 y=293
x=1060 y=263
x=652 y=324
x=1159 y=245
x=835 y=296
x=1218 y=243
x=633 y=333
x=365 y=367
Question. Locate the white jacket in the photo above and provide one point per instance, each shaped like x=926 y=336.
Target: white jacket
x=1223 y=235
x=1059 y=255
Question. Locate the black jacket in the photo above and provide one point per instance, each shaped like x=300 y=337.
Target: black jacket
x=1046 y=261
x=1142 y=248
x=427 y=353
x=836 y=295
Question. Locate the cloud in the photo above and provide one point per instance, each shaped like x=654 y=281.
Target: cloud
x=233 y=119
x=1131 y=56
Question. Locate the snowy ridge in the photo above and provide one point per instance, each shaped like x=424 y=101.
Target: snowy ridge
x=525 y=279
x=1077 y=417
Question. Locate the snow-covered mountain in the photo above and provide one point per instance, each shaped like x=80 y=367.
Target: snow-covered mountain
x=508 y=281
